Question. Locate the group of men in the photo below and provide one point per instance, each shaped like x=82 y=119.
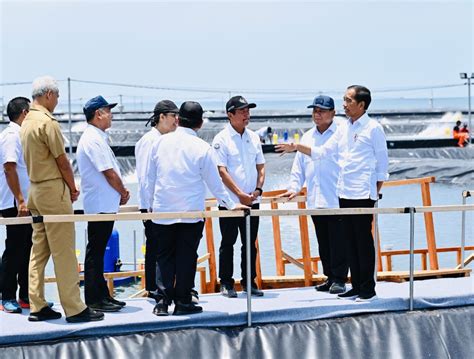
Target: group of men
x=173 y=167
x=343 y=165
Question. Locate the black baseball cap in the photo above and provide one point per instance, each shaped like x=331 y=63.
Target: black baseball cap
x=324 y=102
x=237 y=103
x=191 y=111
x=95 y=103
x=164 y=106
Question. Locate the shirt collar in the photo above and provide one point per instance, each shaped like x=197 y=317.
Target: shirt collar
x=361 y=121
x=38 y=107
x=104 y=134
x=332 y=128
x=233 y=132
x=186 y=130
x=14 y=125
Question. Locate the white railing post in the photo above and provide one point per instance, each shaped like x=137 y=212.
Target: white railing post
x=412 y=253
x=465 y=194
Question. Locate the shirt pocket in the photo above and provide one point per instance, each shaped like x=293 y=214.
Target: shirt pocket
x=233 y=157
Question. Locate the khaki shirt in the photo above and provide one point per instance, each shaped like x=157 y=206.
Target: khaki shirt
x=42 y=143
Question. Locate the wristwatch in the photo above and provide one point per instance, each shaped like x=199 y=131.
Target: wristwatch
x=260 y=190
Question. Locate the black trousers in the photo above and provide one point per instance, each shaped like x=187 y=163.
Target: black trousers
x=176 y=260
x=332 y=247
x=357 y=230
x=16 y=258
x=230 y=228
x=150 y=257
x=95 y=286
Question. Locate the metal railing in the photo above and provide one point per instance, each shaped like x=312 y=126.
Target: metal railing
x=249 y=213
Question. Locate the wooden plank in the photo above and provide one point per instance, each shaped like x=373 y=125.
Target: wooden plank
x=280 y=268
x=326 y=212
x=405 y=182
x=429 y=227
x=203 y=258
x=110 y=286
x=212 y=254
x=466 y=261
x=445 y=208
x=258 y=268
x=133 y=216
x=305 y=248
x=397 y=276
x=297 y=263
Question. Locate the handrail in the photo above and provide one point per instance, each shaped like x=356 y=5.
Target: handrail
x=131 y=216
x=247 y=214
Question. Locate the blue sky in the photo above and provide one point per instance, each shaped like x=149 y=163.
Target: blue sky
x=255 y=48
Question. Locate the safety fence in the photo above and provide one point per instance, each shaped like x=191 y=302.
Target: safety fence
x=411 y=211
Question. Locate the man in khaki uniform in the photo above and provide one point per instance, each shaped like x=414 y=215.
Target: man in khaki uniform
x=52 y=192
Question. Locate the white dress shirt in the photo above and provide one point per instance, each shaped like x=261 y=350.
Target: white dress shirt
x=94 y=156
x=240 y=154
x=181 y=165
x=363 y=157
x=321 y=175
x=142 y=154
x=11 y=151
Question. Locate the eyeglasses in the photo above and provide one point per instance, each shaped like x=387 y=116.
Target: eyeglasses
x=172 y=114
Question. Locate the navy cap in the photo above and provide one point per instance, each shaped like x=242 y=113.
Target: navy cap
x=95 y=103
x=324 y=102
x=191 y=110
x=237 y=103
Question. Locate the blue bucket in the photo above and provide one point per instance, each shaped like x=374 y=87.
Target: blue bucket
x=112 y=252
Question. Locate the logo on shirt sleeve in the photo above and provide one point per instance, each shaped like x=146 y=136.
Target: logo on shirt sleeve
x=217 y=146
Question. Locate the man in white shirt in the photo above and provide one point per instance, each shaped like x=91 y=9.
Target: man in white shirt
x=362 y=149
x=241 y=166
x=103 y=191
x=164 y=120
x=265 y=133
x=321 y=178
x=180 y=167
x=14 y=185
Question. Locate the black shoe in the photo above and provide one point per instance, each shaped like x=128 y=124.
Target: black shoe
x=116 y=302
x=366 y=297
x=323 y=287
x=44 y=314
x=105 y=306
x=161 y=310
x=194 y=296
x=254 y=291
x=87 y=315
x=153 y=295
x=337 y=288
x=186 y=308
x=351 y=294
x=228 y=291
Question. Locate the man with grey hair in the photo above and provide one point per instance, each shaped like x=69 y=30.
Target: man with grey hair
x=52 y=191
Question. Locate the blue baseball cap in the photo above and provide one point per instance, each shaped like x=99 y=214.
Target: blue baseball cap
x=95 y=103
x=324 y=102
